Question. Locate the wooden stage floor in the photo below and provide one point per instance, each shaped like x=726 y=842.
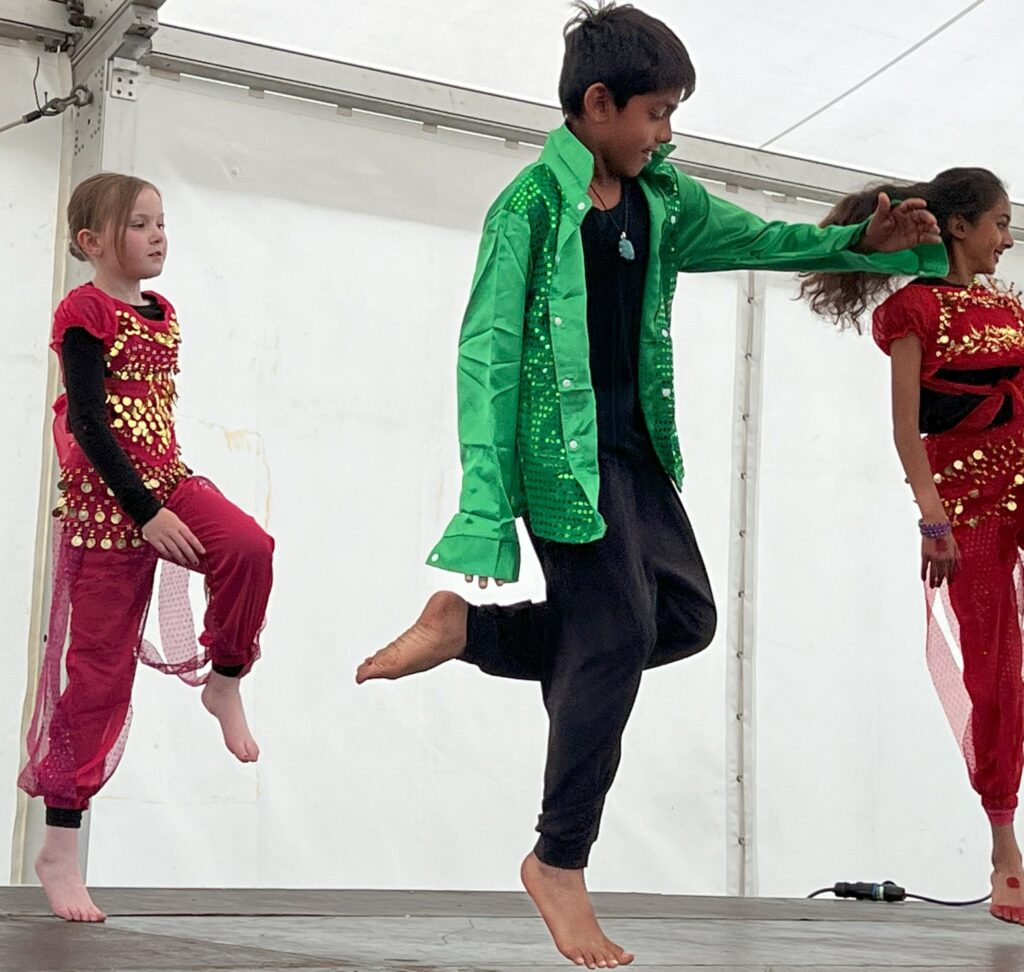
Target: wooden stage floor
x=155 y=930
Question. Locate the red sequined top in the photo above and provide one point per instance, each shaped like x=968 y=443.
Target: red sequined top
x=978 y=464
x=960 y=329
x=142 y=359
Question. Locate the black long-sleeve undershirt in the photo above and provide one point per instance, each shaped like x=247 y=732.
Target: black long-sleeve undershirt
x=84 y=372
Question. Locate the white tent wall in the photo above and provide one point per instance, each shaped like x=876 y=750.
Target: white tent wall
x=320 y=266
x=29 y=166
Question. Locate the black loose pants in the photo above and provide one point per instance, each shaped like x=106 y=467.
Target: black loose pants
x=635 y=599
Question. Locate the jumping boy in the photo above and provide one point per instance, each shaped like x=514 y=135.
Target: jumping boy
x=567 y=419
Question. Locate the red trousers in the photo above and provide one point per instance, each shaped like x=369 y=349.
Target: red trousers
x=985 y=702
x=81 y=721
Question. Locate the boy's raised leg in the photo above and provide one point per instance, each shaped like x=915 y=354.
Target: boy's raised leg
x=439 y=635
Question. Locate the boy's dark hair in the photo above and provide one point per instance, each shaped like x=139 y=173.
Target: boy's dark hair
x=628 y=51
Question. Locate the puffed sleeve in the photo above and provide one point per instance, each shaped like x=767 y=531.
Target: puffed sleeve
x=87 y=308
x=913 y=309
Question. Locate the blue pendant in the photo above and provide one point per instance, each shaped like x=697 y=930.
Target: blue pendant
x=626 y=250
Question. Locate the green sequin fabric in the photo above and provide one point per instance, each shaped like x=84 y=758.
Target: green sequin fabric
x=527 y=413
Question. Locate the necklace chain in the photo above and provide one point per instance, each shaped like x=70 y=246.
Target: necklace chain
x=626 y=250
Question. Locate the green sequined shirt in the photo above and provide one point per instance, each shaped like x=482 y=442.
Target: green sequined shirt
x=527 y=412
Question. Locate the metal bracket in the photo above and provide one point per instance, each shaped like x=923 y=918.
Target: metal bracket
x=122 y=82
x=126 y=34
x=77 y=15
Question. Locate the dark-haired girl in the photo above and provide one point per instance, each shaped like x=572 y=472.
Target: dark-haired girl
x=956 y=344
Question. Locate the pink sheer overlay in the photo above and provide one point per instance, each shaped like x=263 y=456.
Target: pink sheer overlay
x=99 y=605
x=975 y=659
x=83 y=709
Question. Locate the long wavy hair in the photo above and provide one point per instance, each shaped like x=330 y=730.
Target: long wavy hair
x=844 y=298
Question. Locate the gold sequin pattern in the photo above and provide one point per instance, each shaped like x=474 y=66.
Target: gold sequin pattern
x=979 y=475
x=998 y=331
x=148 y=421
x=143 y=361
x=90 y=515
x=140 y=393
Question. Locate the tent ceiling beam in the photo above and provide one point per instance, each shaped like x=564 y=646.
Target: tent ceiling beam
x=40 y=23
x=180 y=51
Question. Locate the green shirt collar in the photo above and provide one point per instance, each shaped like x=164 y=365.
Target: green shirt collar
x=573 y=163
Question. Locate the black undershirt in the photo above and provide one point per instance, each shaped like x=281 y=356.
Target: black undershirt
x=942 y=411
x=84 y=372
x=615 y=300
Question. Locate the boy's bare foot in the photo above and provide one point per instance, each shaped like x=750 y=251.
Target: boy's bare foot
x=439 y=635
x=562 y=900
x=223 y=700
x=61 y=878
x=1008 y=894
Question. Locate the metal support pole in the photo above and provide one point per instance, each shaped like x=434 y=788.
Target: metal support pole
x=741 y=875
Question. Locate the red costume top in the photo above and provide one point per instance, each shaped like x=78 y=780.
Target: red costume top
x=979 y=463
x=141 y=358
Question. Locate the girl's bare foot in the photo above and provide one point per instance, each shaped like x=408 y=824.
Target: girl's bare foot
x=223 y=700
x=439 y=635
x=61 y=878
x=1008 y=894
x=562 y=900
x=1007 y=875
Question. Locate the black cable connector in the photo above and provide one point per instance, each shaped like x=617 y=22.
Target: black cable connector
x=863 y=891
x=887 y=891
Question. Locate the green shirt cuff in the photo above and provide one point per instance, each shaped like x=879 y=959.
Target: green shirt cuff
x=481 y=548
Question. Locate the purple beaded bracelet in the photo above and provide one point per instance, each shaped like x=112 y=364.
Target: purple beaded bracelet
x=935 y=531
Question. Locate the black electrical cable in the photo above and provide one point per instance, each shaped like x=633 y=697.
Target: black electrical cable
x=887 y=891
x=949 y=904
x=35 y=79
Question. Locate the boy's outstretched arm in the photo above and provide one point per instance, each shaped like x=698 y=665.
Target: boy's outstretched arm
x=481 y=539
x=712 y=234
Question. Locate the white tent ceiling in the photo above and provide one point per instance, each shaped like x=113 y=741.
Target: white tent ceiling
x=762 y=68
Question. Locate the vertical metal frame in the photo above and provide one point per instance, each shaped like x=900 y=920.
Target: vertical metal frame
x=741 y=616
